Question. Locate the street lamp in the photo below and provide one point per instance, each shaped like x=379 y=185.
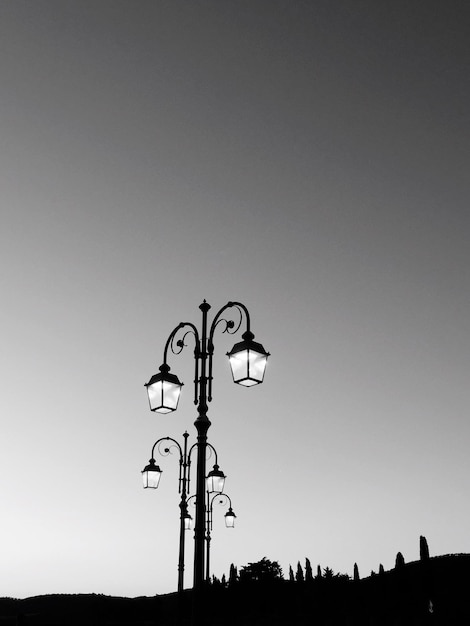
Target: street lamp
x=248 y=362
x=221 y=498
x=151 y=475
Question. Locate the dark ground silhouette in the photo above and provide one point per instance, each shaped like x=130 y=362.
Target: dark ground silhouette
x=428 y=591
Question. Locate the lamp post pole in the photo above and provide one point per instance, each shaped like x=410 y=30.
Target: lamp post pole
x=202 y=424
x=248 y=362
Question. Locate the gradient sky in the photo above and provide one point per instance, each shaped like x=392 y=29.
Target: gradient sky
x=309 y=159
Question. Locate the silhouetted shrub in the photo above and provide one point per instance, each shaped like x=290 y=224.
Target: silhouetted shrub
x=399 y=561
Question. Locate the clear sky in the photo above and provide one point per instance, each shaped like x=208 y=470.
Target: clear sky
x=309 y=159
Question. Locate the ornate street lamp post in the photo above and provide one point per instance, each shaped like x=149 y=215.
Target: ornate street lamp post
x=151 y=475
x=248 y=362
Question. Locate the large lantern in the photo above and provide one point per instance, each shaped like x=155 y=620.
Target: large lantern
x=248 y=361
x=215 y=480
x=164 y=391
x=230 y=518
x=151 y=475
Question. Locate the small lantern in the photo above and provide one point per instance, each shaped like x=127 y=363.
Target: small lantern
x=230 y=518
x=248 y=361
x=188 y=521
x=151 y=475
x=215 y=480
x=164 y=391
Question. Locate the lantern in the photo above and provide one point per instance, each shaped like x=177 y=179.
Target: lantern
x=248 y=361
x=230 y=518
x=215 y=480
x=164 y=391
x=188 y=520
x=151 y=475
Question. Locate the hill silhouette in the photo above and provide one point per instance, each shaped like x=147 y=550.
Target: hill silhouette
x=429 y=591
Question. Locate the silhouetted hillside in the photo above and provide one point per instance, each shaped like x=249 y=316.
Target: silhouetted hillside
x=430 y=591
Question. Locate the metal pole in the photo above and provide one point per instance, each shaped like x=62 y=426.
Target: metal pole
x=202 y=424
x=183 y=511
x=208 y=536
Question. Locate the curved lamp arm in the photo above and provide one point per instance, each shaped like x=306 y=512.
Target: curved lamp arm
x=166 y=451
x=178 y=348
x=230 y=516
x=230 y=327
x=184 y=460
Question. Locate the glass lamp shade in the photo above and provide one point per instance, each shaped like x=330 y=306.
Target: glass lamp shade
x=151 y=475
x=215 y=480
x=164 y=390
x=230 y=518
x=188 y=521
x=248 y=361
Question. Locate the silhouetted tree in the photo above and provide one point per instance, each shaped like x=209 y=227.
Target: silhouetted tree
x=308 y=571
x=328 y=573
x=318 y=572
x=299 y=575
x=381 y=569
x=423 y=549
x=399 y=561
x=291 y=574
x=356 y=572
x=224 y=580
x=264 y=570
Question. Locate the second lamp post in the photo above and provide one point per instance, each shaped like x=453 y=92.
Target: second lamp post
x=151 y=475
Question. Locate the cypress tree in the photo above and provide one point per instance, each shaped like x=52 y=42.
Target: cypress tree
x=308 y=571
x=399 y=561
x=291 y=574
x=356 y=572
x=381 y=569
x=233 y=575
x=318 y=572
x=299 y=575
x=423 y=549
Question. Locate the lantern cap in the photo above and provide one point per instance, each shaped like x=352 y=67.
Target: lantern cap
x=248 y=343
x=151 y=467
x=164 y=374
x=216 y=471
